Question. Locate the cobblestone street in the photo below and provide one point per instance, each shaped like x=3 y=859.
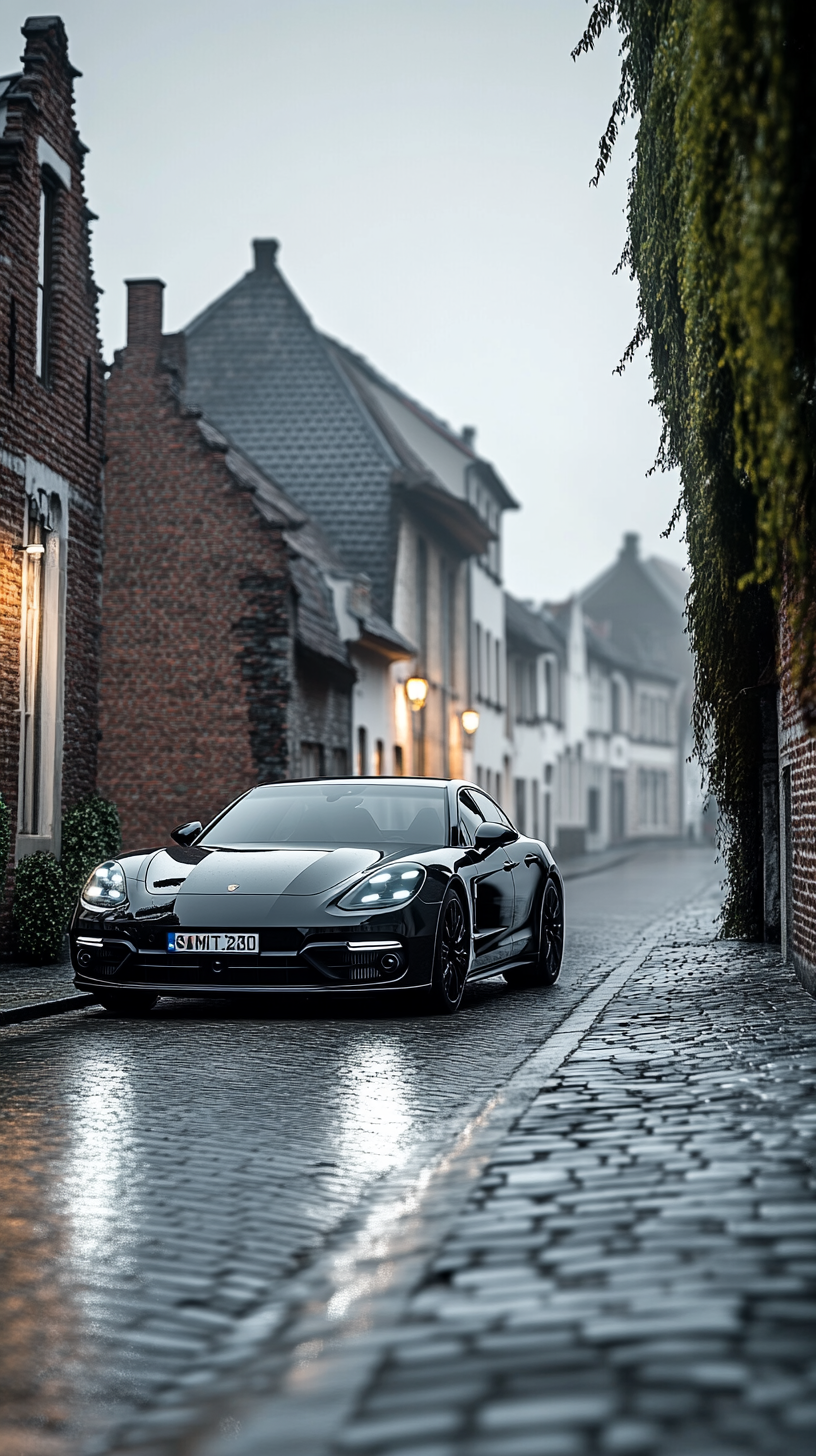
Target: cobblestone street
x=604 y=1237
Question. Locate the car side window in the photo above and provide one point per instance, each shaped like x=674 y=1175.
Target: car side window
x=469 y=818
x=489 y=811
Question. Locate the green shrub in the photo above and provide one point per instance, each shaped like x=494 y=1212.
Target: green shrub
x=38 y=912
x=46 y=890
x=90 y=833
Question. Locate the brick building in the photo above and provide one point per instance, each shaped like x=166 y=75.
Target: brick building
x=222 y=661
x=51 y=440
x=404 y=499
x=789 y=821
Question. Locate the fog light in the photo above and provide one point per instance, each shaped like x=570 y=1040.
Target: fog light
x=84 y=958
x=390 y=962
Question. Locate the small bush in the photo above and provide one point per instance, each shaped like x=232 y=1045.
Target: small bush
x=45 y=890
x=90 y=833
x=39 y=907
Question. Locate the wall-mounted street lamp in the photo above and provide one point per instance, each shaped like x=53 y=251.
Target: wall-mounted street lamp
x=416 y=691
x=470 y=721
x=34 y=550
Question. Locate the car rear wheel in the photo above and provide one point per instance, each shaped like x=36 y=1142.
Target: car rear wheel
x=127 y=1003
x=452 y=955
x=546 y=969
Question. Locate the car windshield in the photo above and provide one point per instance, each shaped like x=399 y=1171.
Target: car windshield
x=334 y=814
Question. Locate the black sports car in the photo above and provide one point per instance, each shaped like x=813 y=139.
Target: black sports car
x=325 y=885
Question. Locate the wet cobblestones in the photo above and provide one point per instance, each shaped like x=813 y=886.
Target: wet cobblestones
x=636 y=1270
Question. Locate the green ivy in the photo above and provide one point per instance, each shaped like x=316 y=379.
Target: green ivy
x=45 y=890
x=720 y=243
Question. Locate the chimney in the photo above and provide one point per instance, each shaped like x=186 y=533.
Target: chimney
x=631 y=545
x=266 y=252
x=144 y=315
x=469 y=436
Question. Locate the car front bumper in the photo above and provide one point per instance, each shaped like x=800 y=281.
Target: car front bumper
x=134 y=957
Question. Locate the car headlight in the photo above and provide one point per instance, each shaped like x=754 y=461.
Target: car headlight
x=106 y=887
x=386 y=889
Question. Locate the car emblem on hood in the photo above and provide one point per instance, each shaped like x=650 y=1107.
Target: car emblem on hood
x=232 y=887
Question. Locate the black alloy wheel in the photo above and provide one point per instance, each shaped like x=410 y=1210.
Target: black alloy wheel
x=127 y=1003
x=546 y=969
x=551 y=938
x=452 y=955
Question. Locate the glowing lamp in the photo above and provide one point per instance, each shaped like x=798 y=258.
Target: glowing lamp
x=33 y=550
x=416 y=691
x=470 y=721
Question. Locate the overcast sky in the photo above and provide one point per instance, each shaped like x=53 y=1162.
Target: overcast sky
x=425 y=165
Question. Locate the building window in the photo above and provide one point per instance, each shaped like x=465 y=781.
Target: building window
x=536 y=793
x=547 y=818
x=549 y=690
x=398 y=761
x=653 y=798
x=617 y=707
x=45 y=281
x=340 y=763
x=446 y=624
x=596 y=699
x=43 y=630
x=478 y=657
x=593 y=810
x=521 y=805
x=488 y=686
x=311 y=760
x=11 y=374
x=498 y=674
x=379 y=758
x=362 y=752
x=422 y=602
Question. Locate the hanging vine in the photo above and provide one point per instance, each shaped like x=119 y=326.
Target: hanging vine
x=720 y=243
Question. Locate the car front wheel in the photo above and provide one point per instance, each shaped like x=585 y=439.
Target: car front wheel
x=452 y=955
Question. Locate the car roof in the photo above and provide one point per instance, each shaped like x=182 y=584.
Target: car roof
x=412 y=782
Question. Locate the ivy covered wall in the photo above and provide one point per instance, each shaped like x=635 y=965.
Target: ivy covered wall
x=721 y=245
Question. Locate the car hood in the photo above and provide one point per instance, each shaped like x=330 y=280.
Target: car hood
x=266 y=872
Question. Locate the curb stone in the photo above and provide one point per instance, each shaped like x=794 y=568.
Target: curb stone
x=32 y=1012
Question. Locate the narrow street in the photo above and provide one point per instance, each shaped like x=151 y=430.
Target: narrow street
x=632 y=1261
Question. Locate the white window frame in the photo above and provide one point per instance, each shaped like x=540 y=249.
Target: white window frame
x=39 y=808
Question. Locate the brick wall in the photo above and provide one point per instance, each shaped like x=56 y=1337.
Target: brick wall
x=196 y=622
x=797 y=763
x=59 y=424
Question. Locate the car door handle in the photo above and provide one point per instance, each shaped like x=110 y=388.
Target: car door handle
x=531 y=859
x=511 y=864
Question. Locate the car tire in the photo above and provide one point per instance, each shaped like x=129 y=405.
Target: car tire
x=127 y=1003
x=451 y=955
x=546 y=969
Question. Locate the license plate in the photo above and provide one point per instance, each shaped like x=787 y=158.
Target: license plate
x=213 y=942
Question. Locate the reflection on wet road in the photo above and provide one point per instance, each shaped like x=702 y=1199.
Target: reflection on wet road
x=158 y=1177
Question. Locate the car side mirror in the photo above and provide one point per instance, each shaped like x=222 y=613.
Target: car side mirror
x=494 y=836
x=186 y=833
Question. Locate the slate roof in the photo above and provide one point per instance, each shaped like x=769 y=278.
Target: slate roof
x=355 y=365
x=531 y=626
x=298 y=404
x=310 y=553
x=262 y=373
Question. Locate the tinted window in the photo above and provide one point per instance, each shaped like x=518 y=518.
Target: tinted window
x=489 y=811
x=469 y=818
x=334 y=814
